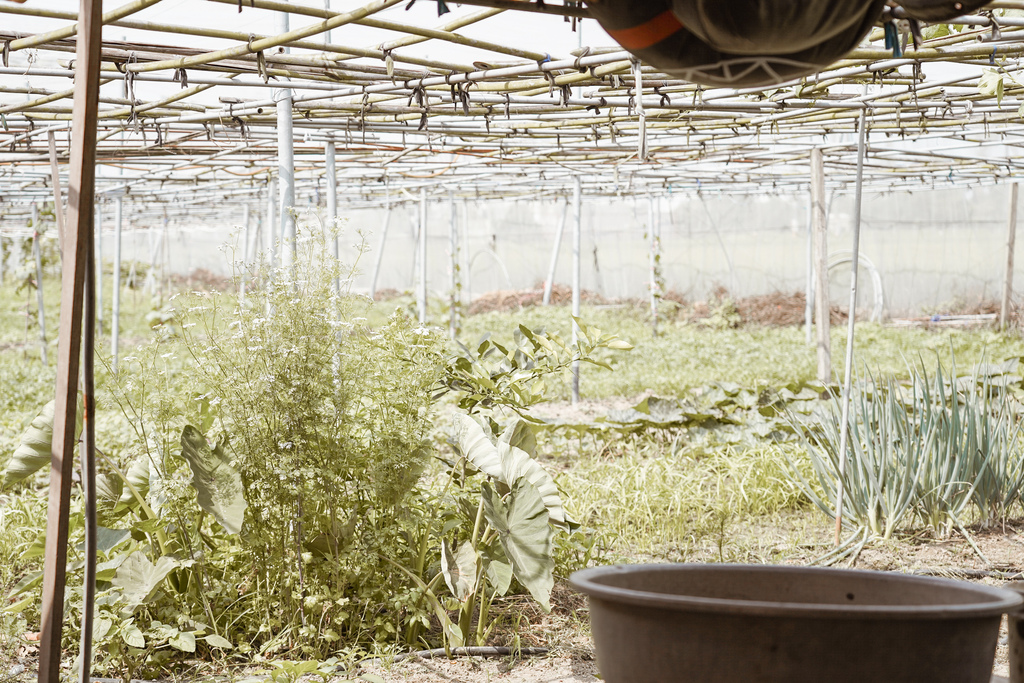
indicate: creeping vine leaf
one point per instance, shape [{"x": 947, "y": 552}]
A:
[
  {"x": 217, "y": 483},
  {"x": 525, "y": 535}
]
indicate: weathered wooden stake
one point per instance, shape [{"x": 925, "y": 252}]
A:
[{"x": 82, "y": 173}]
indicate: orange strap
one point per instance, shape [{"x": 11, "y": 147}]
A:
[{"x": 648, "y": 33}]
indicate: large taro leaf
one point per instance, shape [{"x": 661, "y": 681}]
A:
[
  {"x": 469, "y": 438},
  {"x": 525, "y": 535},
  {"x": 33, "y": 453},
  {"x": 497, "y": 568},
  {"x": 516, "y": 464},
  {"x": 217, "y": 483},
  {"x": 506, "y": 463},
  {"x": 138, "y": 578},
  {"x": 520, "y": 435},
  {"x": 460, "y": 569}
]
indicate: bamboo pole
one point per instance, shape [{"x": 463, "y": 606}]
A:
[
  {"x": 81, "y": 196},
  {"x": 1011, "y": 238},
  {"x": 822, "y": 306},
  {"x": 68, "y": 31}
]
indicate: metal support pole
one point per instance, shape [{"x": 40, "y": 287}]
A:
[
  {"x": 421, "y": 298},
  {"x": 844, "y": 435},
  {"x": 549, "y": 282},
  {"x": 809, "y": 286},
  {"x": 37, "y": 254},
  {"x": 82, "y": 174},
  {"x": 331, "y": 171},
  {"x": 577, "y": 203},
  {"x": 98, "y": 266},
  {"x": 242, "y": 275},
  {"x": 455, "y": 296},
  {"x": 383, "y": 237},
  {"x": 1011, "y": 238},
  {"x": 58, "y": 200},
  {"x": 821, "y": 302},
  {"x": 115, "y": 298},
  {"x": 286, "y": 166},
  {"x": 655, "y": 267},
  {"x": 270, "y": 233}
]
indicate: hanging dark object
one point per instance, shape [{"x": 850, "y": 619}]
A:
[
  {"x": 737, "y": 43},
  {"x": 940, "y": 10}
]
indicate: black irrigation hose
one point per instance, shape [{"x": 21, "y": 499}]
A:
[
  {"x": 459, "y": 652},
  {"x": 473, "y": 652},
  {"x": 1008, "y": 575}
]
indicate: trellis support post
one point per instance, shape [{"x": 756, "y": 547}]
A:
[
  {"x": 421, "y": 290},
  {"x": 549, "y": 282},
  {"x": 82, "y": 174},
  {"x": 1011, "y": 238},
  {"x": 455, "y": 297},
  {"x": 115, "y": 300},
  {"x": 821, "y": 302},
  {"x": 331, "y": 228},
  {"x": 577, "y": 229},
  {"x": 37, "y": 255}
]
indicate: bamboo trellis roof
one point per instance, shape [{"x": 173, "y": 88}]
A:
[{"x": 495, "y": 119}]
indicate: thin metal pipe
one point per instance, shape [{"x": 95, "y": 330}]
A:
[
  {"x": 331, "y": 171},
  {"x": 245, "y": 249},
  {"x": 58, "y": 200},
  {"x": 37, "y": 254},
  {"x": 549, "y": 281},
  {"x": 809, "y": 284},
  {"x": 455, "y": 282},
  {"x": 421, "y": 298},
  {"x": 115, "y": 313},
  {"x": 286, "y": 168},
  {"x": 577, "y": 203},
  {"x": 88, "y": 461},
  {"x": 380, "y": 252},
  {"x": 1011, "y": 238},
  {"x": 844, "y": 435},
  {"x": 98, "y": 266}
]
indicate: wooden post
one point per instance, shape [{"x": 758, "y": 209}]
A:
[
  {"x": 1011, "y": 238},
  {"x": 821, "y": 302},
  {"x": 82, "y": 172}
]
